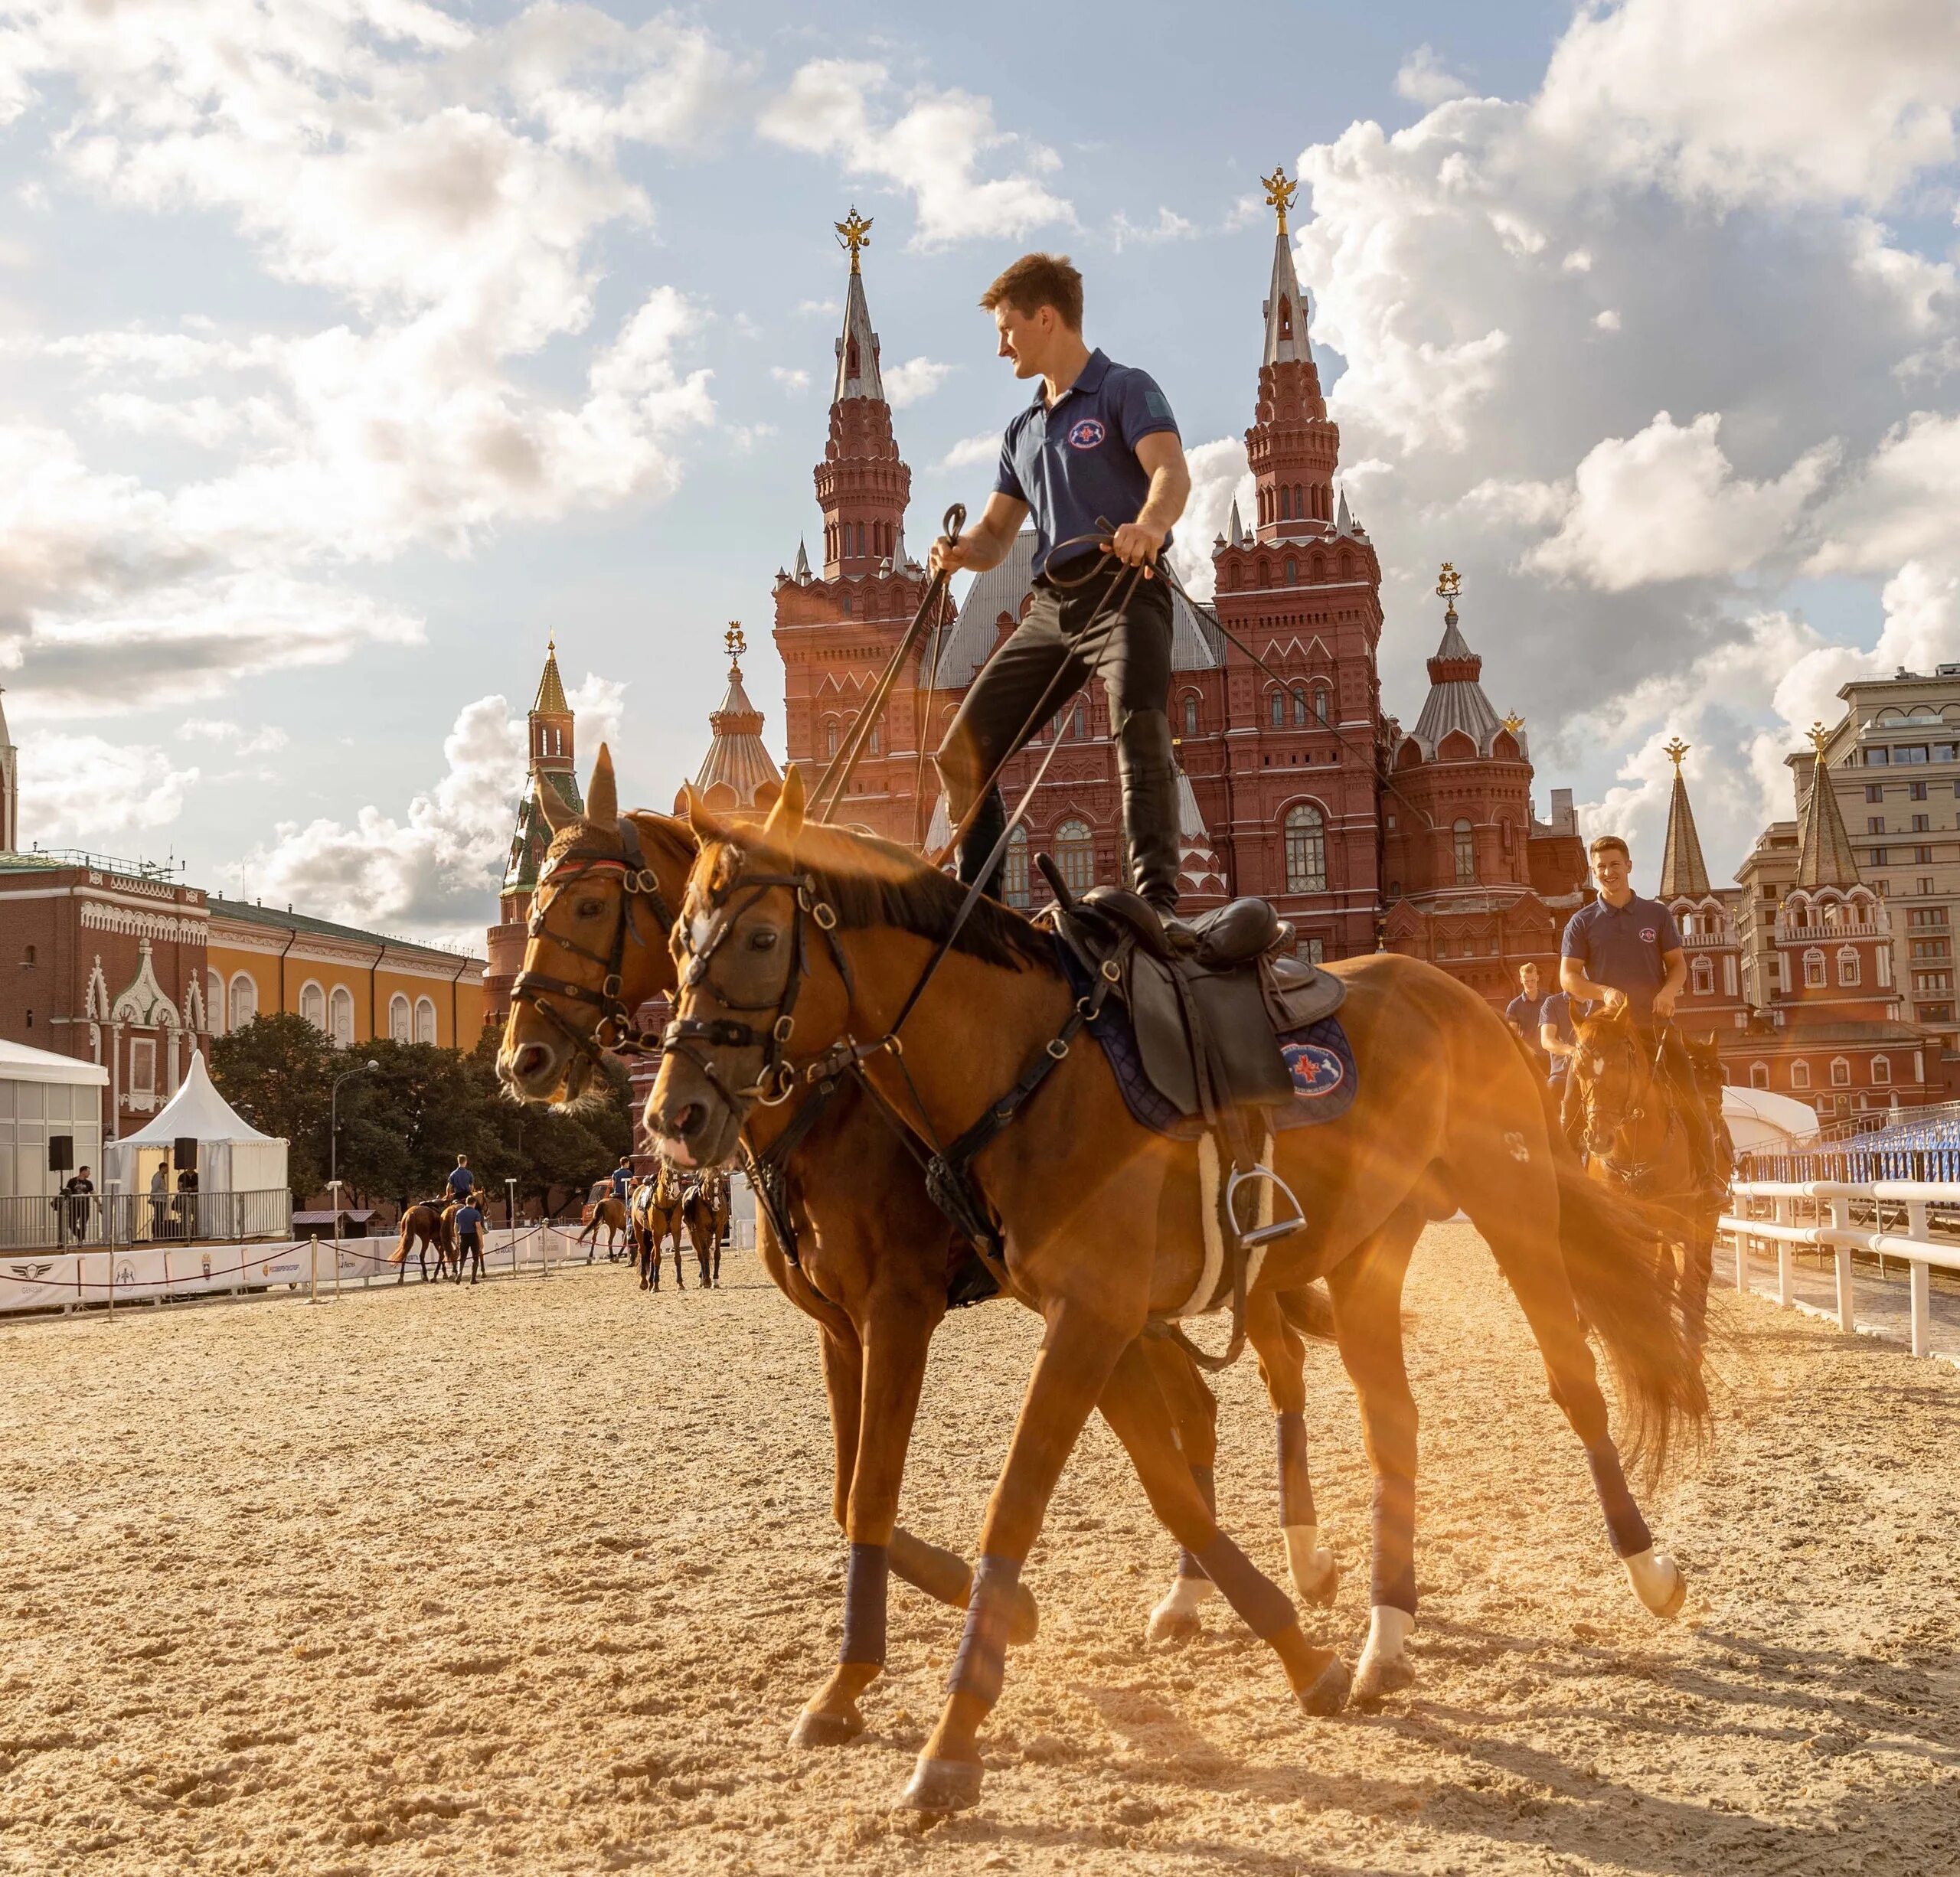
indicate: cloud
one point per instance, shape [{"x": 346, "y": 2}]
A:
[
  {"x": 1422, "y": 79},
  {"x": 1666, "y": 504},
  {"x": 971, "y": 451},
  {"x": 80, "y": 790},
  {"x": 792, "y": 378},
  {"x": 430, "y": 869},
  {"x": 934, "y": 149},
  {"x": 221, "y": 732},
  {"x": 1219, "y": 477},
  {"x": 916, "y": 379},
  {"x": 1168, "y": 226}
]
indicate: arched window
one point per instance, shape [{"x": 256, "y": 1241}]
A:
[
  {"x": 1081, "y": 727},
  {"x": 1278, "y": 707},
  {"x": 340, "y": 1017},
  {"x": 1075, "y": 854},
  {"x": 1759, "y": 1075},
  {"x": 1015, "y": 885},
  {"x": 1306, "y": 849},
  {"x": 874, "y": 745},
  {"x": 1322, "y": 694},
  {"x": 1463, "y": 845},
  {"x": 313, "y": 1004},
  {"x": 398, "y": 1018},
  {"x": 1292, "y": 570},
  {"x": 425, "y": 1020},
  {"x": 1800, "y": 1074},
  {"x": 1814, "y": 969},
  {"x": 1841, "y": 1073},
  {"x": 830, "y": 737},
  {"x": 244, "y": 999},
  {"x": 1285, "y": 503},
  {"x": 1299, "y": 706},
  {"x": 214, "y": 1002},
  {"x": 1190, "y": 713},
  {"x": 1881, "y": 1070},
  {"x": 1702, "y": 973},
  {"x": 1848, "y": 964}
]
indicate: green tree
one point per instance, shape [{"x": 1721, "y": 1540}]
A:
[
  {"x": 554, "y": 1154},
  {"x": 277, "y": 1071}
]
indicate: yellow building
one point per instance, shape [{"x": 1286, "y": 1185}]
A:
[{"x": 352, "y": 984}]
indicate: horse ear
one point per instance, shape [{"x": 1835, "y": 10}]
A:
[
  {"x": 785, "y": 817},
  {"x": 702, "y": 820},
  {"x": 602, "y": 798},
  {"x": 557, "y": 813}
]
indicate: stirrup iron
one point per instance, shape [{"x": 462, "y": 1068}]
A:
[{"x": 1253, "y": 1236}]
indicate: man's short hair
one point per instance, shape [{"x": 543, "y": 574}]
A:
[
  {"x": 462, "y": 1160},
  {"x": 1530, "y": 965},
  {"x": 1039, "y": 280},
  {"x": 1610, "y": 840}
]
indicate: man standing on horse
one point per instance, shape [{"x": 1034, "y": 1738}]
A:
[
  {"x": 1623, "y": 952},
  {"x": 1097, "y": 461}
]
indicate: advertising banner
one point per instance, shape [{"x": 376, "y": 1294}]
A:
[{"x": 36, "y": 1280}]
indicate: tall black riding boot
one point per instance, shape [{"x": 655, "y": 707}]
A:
[
  {"x": 1149, "y": 776},
  {"x": 989, "y": 826}
]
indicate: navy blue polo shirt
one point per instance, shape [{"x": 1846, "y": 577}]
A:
[
  {"x": 1077, "y": 460},
  {"x": 1556, "y": 1010},
  {"x": 469, "y": 1219},
  {"x": 462, "y": 1182},
  {"x": 1622, "y": 948},
  {"x": 1521, "y": 1013}
]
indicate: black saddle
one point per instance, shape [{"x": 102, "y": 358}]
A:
[{"x": 1206, "y": 1002}]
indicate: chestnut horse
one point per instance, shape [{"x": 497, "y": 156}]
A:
[
  {"x": 851, "y": 931},
  {"x": 427, "y": 1227},
  {"x": 656, "y": 1218},
  {"x": 706, "y": 1210}
]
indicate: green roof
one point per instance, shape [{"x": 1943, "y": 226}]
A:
[{"x": 254, "y": 915}]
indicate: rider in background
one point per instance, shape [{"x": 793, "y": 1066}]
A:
[
  {"x": 1098, "y": 444},
  {"x": 1625, "y": 952},
  {"x": 1560, "y": 1041},
  {"x": 622, "y": 1177},
  {"x": 1523, "y": 1012},
  {"x": 462, "y": 1182}
]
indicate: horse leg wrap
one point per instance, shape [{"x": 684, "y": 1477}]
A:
[
  {"x": 864, "y": 1583},
  {"x": 977, "y": 1670},
  {"x": 1296, "y": 1486},
  {"x": 1207, "y": 1484},
  {"x": 1624, "y": 1526},
  {"x": 1393, "y": 1576},
  {"x": 1266, "y": 1609}
]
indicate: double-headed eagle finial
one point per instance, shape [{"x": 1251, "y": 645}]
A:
[
  {"x": 854, "y": 232},
  {"x": 734, "y": 641},
  {"x": 1279, "y": 193},
  {"x": 1819, "y": 736},
  {"x": 1674, "y": 751},
  {"x": 1514, "y": 722}
]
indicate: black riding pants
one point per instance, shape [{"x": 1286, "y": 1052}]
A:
[{"x": 1060, "y": 643}]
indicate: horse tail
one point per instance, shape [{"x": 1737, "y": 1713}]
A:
[
  {"x": 1616, "y": 1261},
  {"x": 1309, "y": 1311},
  {"x": 400, "y": 1255}
]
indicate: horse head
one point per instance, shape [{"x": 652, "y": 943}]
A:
[
  {"x": 597, "y": 943},
  {"x": 1612, "y": 1075}
]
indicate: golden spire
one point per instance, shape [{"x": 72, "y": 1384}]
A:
[
  {"x": 736, "y": 643},
  {"x": 1279, "y": 193},
  {"x": 854, "y": 232},
  {"x": 1674, "y": 751}
]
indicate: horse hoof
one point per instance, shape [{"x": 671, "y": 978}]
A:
[
  {"x": 944, "y": 1785},
  {"x": 1324, "y": 1589},
  {"x": 1327, "y": 1693},
  {"x": 1380, "y": 1676},
  {"x": 814, "y": 1729},
  {"x": 1023, "y": 1616},
  {"x": 1172, "y": 1626},
  {"x": 1658, "y": 1582}
]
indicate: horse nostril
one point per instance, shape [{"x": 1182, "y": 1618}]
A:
[
  {"x": 690, "y": 1121},
  {"x": 532, "y": 1059}
]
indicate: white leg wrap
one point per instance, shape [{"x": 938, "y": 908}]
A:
[
  {"x": 1657, "y": 1580},
  {"x": 1307, "y": 1560},
  {"x": 1176, "y": 1615},
  {"x": 1384, "y": 1667}
]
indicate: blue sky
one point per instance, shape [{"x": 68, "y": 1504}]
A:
[{"x": 350, "y": 349}]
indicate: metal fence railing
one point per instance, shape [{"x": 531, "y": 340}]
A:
[{"x": 45, "y": 1222}]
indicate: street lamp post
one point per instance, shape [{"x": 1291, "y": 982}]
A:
[{"x": 333, "y": 1149}]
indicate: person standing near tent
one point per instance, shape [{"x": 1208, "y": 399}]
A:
[
  {"x": 76, "y": 1191},
  {"x": 159, "y": 1201}
]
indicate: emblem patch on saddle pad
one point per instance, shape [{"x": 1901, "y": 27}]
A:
[{"x": 1316, "y": 1071}]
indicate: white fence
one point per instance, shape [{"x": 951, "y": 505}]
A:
[{"x": 1897, "y": 1223}]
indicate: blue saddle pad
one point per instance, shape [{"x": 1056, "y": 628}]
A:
[{"x": 1325, "y": 1080}]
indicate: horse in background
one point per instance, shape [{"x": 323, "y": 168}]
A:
[
  {"x": 706, "y": 1210},
  {"x": 611, "y": 1213},
  {"x": 428, "y": 1226},
  {"x": 656, "y": 1218}
]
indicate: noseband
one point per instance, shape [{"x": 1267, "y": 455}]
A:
[
  {"x": 614, "y": 1030},
  {"x": 694, "y": 1036}
]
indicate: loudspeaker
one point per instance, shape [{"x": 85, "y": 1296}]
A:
[
  {"x": 60, "y": 1153},
  {"x": 184, "y": 1153}
]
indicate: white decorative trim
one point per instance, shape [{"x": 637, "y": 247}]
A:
[
  {"x": 145, "y": 1003},
  {"x": 94, "y": 1006},
  {"x": 102, "y": 915}
]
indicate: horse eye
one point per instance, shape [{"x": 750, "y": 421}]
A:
[
  {"x": 591, "y": 908},
  {"x": 761, "y": 941}
]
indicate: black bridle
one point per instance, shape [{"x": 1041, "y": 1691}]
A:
[
  {"x": 1630, "y": 1172},
  {"x": 614, "y": 1030}
]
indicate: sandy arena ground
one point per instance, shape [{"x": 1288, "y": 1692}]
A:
[{"x": 534, "y": 1578}]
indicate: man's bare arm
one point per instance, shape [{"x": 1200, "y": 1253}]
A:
[
  {"x": 986, "y": 542},
  {"x": 1551, "y": 1042},
  {"x": 1574, "y": 983},
  {"x": 1676, "y": 961},
  {"x": 1138, "y": 542}
]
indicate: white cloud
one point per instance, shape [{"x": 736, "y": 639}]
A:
[
  {"x": 792, "y": 378},
  {"x": 221, "y": 732},
  {"x": 1169, "y": 226},
  {"x": 1423, "y": 79},
  {"x": 916, "y": 379},
  {"x": 934, "y": 149},
  {"x": 1219, "y": 477},
  {"x": 970, "y": 451},
  {"x": 80, "y": 790},
  {"x": 829, "y": 309},
  {"x": 1782, "y": 100},
  {"x": 1666, "y": 504}
]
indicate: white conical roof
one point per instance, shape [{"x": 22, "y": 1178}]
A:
[
  {"x": 1285, "y": 311},
  {"x": 196, "y": 1111}
]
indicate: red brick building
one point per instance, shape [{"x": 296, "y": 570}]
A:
[{"x": 1295, "y": 784}]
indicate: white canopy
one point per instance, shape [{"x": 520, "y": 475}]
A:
[
  {"x": 18, "y": 1062},
  {"x": 233, "y": 1156},
  {"x": 1761, "y": 1121}
]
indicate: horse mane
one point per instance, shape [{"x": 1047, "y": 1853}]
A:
[{"x": 868, "y": 881}]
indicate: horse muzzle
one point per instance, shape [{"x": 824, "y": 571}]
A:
[{"x": 688, "y": 1119}]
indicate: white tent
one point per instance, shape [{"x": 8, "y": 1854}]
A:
[
  {"x": 233, "y": 1156},
  {"x": 44, "y": 1096},
  {"x": 1762, "y": 1121}
]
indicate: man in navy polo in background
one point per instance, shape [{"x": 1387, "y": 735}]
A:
[
  {"x": 1522, "y": 1012},
  {"x": 462, "y": 1182},
  {"x": 1096, "y": 455},
  {"x": 1623, "y": 952}
]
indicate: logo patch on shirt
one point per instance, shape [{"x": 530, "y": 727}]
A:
[
  {"x": 1648, "y": 934},
  {"x": 1087, "y": 434},
  {"x": 1315, "y": 1071}
]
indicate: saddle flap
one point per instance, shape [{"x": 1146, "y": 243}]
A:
[
  {"x": 1298, "y": 994},
  {"x": 1236, "y": 1032}
]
